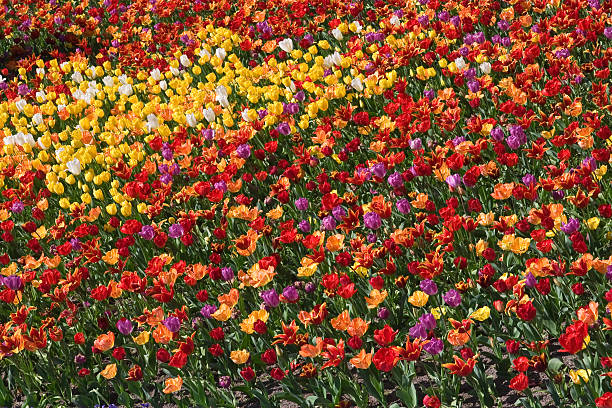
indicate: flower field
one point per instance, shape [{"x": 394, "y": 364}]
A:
[{"x": 284, "y": 203}]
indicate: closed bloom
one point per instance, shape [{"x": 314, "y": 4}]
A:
[
  {"x": 395, "y": 180},
  {"x": 372, "y": 220},
  {"x": 571, "y": 226},
  {"x": 172, "y": 323},
  {"x": 301, "y": 204},
  {"x": 428, "y": 321},
  {"x": 497, "y": 133},
  {"x": 13, "y": 282},
  {"x": 176, "y": 231},
  {"x": 147, "y": 232},
  {"x": 434, "y": 346},
  {"x": 124, "y": 326},
  {"x": 328, "y": 223},
  {"x": 403, "y": 206},
  {"x": 290, "y": 293},
  {"x": 453, "y": 181},
  {"x": 270, "y": 297},
  {"x": 428, "y": 286},
  {"x": 243, "y": 151},
  {"x": 452, "y": 298}
]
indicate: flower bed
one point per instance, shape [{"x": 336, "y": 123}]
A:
[{"x": 344, "y": 204}]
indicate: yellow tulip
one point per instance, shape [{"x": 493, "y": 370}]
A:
[
  {"x": 418, "y": 298},
  {"x": 481, "y": 314}
]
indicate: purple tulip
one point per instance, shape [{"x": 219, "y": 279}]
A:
[
  {"x": 428, "y": 321},
  {"x": 529, "y": 179},
  {"x": 147, "y": 232},
  {"x": 429, "y": 287},
  {"x": 417, "y": 331},
  {"x": 396, "y": 180},
  {"x": 328, "y": 223},
  {"x": 383, "y": 313},
  {"x": 172, "y": 323},
  {"x": 270, "y": 298},
  {"x": 284, "y": 128},
  {"x": 571, "y": 226},
  {"x": 379, "y": 170},
  {"x": 372, "y": 220},
  {"x": 208, "y": 310},
  {"x": 301, "y": 204},
  {"x": 176, "y": 231},
  {"x": 227, "y": 274},
  {"x": 452, "y": 298},
  {"x": 225, "y": 381},
  {"x": 403, "y": 206},
  {"x": 13, "y": 282},
  {"x": 434, "y": 346},
  {"x": 291, "y": 294},
  {"x": 17, "y": 207},
  {"x": 124, "y": 326},
  {"x": 453, "y": 181},
  {"x": 339, "y": 213},
  {"x": 243, "y": 151},
  {"x": 530, "y": 280},
  {"x": 304, "y": 226}
]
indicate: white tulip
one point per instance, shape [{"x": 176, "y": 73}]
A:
[
  {"x": 156, "y": 74},
  {"x": 245, "y": 115},
  {"x": 337, "y": 34},
  {"x": 108, "y": 81},
  {"x": 185, "y": 61},
  {"x": 77, "y": 77},
  {"x": 152, "y": 122},
  {"x": 220, "y": 53},
  {"x": 37, "y": 119},
  {"x": 209, "y": 115},
  {"x": 357, "y": 85},
  {"x": 204, "y": 52},
  {"x": 74, "y": 166},
  {"x": 163, "y": 85},
  {"x": 460, "y": 63},
  {"x": 485, "y": 67},
  {"x": 21, "y": 104},
  {"x": 394, "y": 20},
  {"x": 221, "y": 96},
  {"x": 286, "y": 45},
  {"x": 126, "y": 90},
  {"x": 41, "y": 144},
  {"x": 191, "y": 120}
]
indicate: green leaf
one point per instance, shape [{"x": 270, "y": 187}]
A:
[
  {"x": 553, "y": 394},
  {"x": 554, "y": 364},
  {"x": 408, "y": 396},
  {"x": 288, "y": 396}
]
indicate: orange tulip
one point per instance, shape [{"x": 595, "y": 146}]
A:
[
  {"x": 342, "y": 321},
  {"x": 105, "y": 342},
  {"x": 358, "y": 327},
  {"x": 376, "y": 297},
  {"x": 588, "y": 314},
  {"x": 162, "y": 335},
  {"x": 110, "y": 371},
  {"x": 362, "y": 360},
  {"x": 173, "y": 385},
  {"x": 460, "y": 367},
  {"x": 502, "y": 191}
]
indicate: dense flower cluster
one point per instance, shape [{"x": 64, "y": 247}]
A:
[{"x": 207, "y": 200}]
